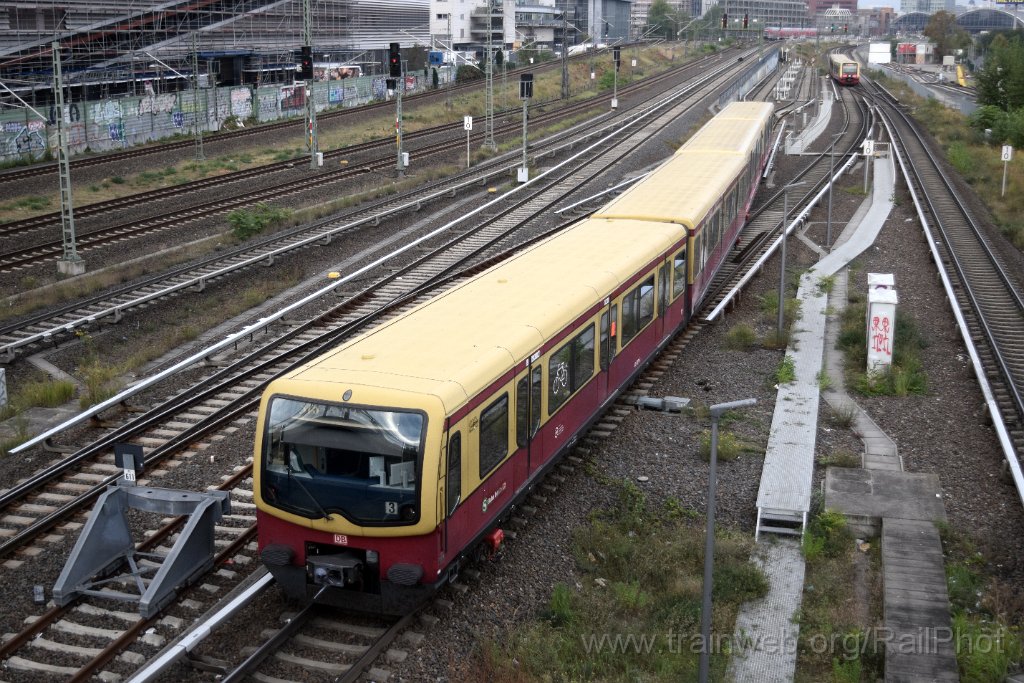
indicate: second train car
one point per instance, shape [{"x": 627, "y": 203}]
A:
[{"x": 381, "y": 466}]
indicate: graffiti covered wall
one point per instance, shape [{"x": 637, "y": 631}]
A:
[{"x": 123, "y": 122}]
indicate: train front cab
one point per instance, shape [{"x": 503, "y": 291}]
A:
[{"x": 346, "y": 497}]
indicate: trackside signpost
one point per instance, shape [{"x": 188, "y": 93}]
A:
[
  {"x": 1006, "y": 156},
  {"x": 467, "y": 123}
]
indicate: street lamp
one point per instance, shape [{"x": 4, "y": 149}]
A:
[
  {"x": 782, "y": 265},
  {"x": 831, "y": 180},
  {"x": 709, "y": 541}
]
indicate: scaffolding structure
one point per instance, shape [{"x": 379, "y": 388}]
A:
[{"x": 119, "y": 47}]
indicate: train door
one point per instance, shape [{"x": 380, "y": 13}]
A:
[
  {"x": 528, "y": 408},
  {"x": 661, "y": 322},
  {"x": 456, "y": 528},
  {"x": 609, "y": 324}
]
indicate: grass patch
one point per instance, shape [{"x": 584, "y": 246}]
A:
[
  {"x": 741, "y": 337},
  {"x": 836, "y": 642},
  {"x": 37, "y": 393},
  {"x": 905, "y": 376},
  {"x": 730, "y": 446},
  {"x": 844, "y": 415},
  {"x": 988, "y": 643},
  {"x": 824, "y": 380},
  {"x": 634, "y": 612},
  {"x": 100, "y": 381},
  {"x": 19, "y": 437},
  {"x": 840, "y": 459},
  {"x": 246, "y": 223},
  {"x": 786, "y": 372}
]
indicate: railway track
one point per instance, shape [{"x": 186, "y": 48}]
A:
[
  {"x": 33, "y": 332},
  {"x": 988, "y": 297},
  {"x": 338, "y": 115},
  {"x": 381, "y": 148},
  {"x": 225, "y": 399}
]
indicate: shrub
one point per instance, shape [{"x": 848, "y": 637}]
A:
[
  {"x": 786, "y": 372},
  {"x": 729, "y": 447},
  {"x": 246, "y": 223},
  {"x": 827, "y": 536},
  {"x": 740, "y": 337}
]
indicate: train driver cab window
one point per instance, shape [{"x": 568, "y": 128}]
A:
[
  {"x": 637, "y": 309},
  {"x": 678, "y": 273},
  {"x": 321, "y": 460},
  {"x": 493, "y": 435},
  {"x": 454, "y": 478},
  {"x": 528, "y": 405},
  {"x": 569, "y": 368}
]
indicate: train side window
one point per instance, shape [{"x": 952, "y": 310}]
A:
[
  {"x": 493, "y": 434},
  {"x": 454, "y": 477},
  {"x": 637, "y": 309},
  {"x": 570, "y": 367},
  {"x": 678, "y": 273},
  {"x": 527, "y": 405}
]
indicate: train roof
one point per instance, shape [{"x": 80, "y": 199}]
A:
[
  {"x": 841, "y": 58},
  {"x": 452, "y": 346},
  {"x": 441, "y": 348},
  {"x": 710, "y": 160}
]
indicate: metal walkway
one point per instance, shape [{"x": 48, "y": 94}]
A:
[{"x": 784, "y": 496}]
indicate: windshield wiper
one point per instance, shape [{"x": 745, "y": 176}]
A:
[{"x": 323, "y": 513}]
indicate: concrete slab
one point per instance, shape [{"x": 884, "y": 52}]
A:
[{"x": 882, "y": 493}]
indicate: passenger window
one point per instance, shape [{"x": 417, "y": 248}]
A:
[
  {"x": 527, "y": 405},
  {"x": 569, "y": 368},
  {"x": 678, "y": 273},
  {"x": 454, "y": 485},
  {"x": 493, "y": 434},
  {"x": 637, "y": 309}
]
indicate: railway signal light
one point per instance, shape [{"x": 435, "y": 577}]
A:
[
  {"x": 846, "y": 28},
  {"x": 306, "y": 63},
  {"x": 725, "y": 20},
  {"x": 616, "y": 56},
  {"x": 746, "y": 18},
  {"x": 394, "y": 61}
]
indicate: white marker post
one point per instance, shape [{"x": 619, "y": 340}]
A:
[
  {"x": 467, "y": 123},
  {"x": 1007, "y": 156}
]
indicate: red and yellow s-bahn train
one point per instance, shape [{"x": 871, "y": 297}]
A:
[
  {"x": 844, "y": 70},
  {"x": 383, "y": 465}
]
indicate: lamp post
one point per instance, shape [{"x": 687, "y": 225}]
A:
[
  {"x": 782, "y": 265},
  {"x": 831, "y": 181},
  {"x": 709, "y": 541}
]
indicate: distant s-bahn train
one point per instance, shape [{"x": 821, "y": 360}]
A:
[
  {"x": 381, "y": 466},
  {"x": 844, "y": 70}
]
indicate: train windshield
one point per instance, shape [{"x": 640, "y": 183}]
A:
[
  {"x": 850, "y": 69},
  {"x": 321, "y": 460}
]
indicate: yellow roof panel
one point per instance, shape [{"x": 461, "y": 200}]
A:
[
  {"x": 443, "y": 348},
  {"x": 710, "y": 160}
]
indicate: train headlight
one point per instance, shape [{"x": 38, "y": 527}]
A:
[{"x": 372, "y": 557}]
